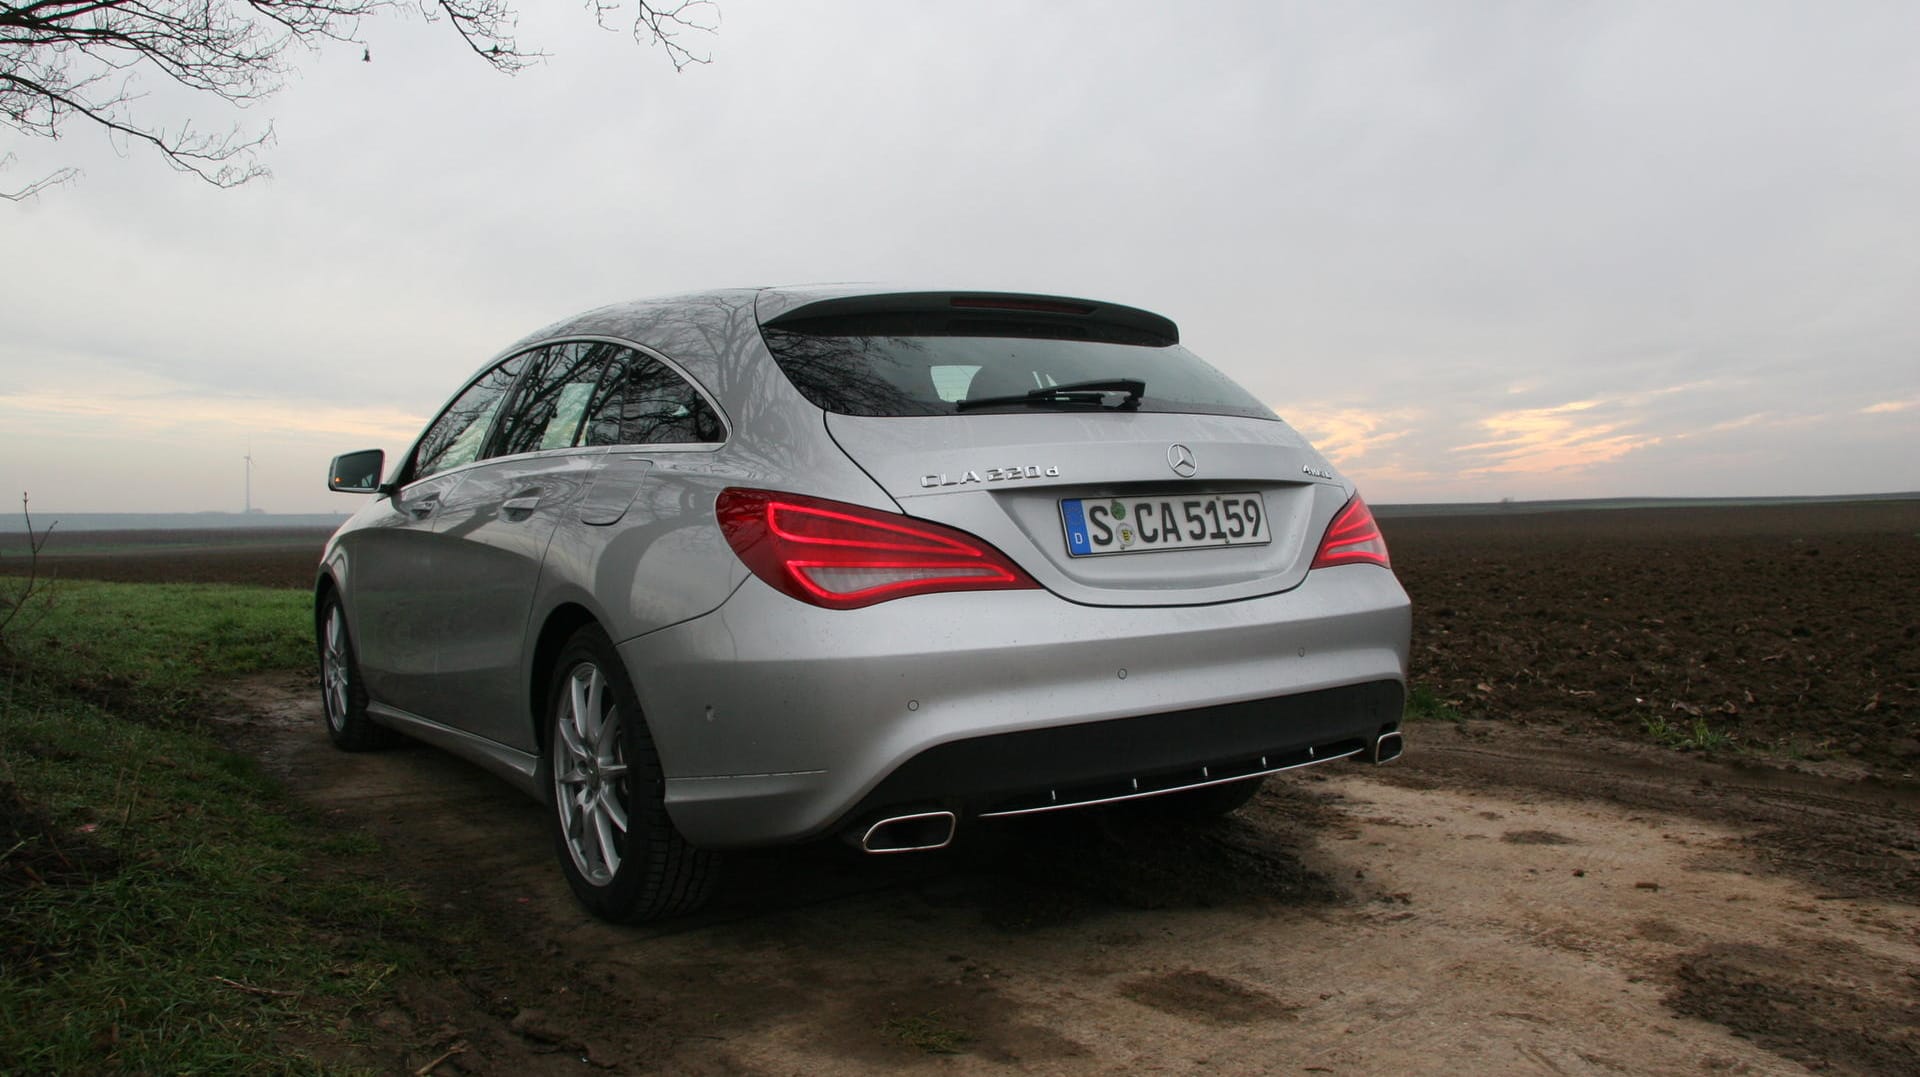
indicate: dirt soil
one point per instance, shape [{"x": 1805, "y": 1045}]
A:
[{"x": 1793, "y": 629}]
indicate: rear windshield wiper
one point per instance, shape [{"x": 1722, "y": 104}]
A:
[{"x": 1099, "y": 393}]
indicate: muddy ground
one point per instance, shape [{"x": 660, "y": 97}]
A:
[{"x": 1547, "y": 884}]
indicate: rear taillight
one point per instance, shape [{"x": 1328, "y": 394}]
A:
[
  {"x": 842, "y": 556},
  {"x": 1352, "y": 539}
]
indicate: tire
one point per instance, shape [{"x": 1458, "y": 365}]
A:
[
  {"x": 620, "y": 852},
  {"x": 1207, "y": 802},
  {"x": 343, "y": 696}
]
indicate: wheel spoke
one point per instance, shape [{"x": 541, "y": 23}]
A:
[
  {"x": 587, "y": 839},
  {"x": 586, "y": 691},
  {"x": 606, "y": 747},
  {"x": 570, "y": 741},
  {"x": 610, "y": 803},
  {"x": 603, "y": 832}
]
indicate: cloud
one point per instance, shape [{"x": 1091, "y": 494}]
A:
[
  {"x": 1889, "y": 406},
  {"x": 1535, "y": 441},
  {"x": 1349, "y": 435}
]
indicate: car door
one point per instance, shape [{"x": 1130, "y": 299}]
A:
[
  {"x": 491, "y": 532},
  {"x": 398, "y": 585}
]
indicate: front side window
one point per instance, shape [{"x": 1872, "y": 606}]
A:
[
  {"x": 458, "y": 435},
  {"x": 644, "y": 402}
]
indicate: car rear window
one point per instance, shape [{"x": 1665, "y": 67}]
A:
[{"x": 897, "y": 366}]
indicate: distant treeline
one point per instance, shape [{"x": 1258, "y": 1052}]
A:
[{"x": 168, "y": 521}]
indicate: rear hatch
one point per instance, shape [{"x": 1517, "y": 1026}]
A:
[{"x": 1159, "y": 483}]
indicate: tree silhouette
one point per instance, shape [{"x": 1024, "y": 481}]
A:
[{"x": 66, "y": 60}]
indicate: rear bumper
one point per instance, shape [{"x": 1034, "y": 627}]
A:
[
  {"x": 1039, "y": 770},
  {"x": 777, "y": 721}
]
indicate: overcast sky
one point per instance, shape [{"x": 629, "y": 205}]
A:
[{"x": 1474, "y": 250}]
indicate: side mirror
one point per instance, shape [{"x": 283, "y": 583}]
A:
[{"x": 357, "y": 472}]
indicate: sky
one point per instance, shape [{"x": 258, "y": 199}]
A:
[{"x": 1473, "y": 250}]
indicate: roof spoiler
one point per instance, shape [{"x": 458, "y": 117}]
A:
[{"x": 976, "y": 314}]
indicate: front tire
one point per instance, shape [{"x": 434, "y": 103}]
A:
[
  {"x": 342, "y": 694},
  {"x": 620, "y": 852}
]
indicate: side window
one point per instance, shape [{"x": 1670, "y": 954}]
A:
[
  {"x": 643, "y": 402},
  {"x": 553, "y": 398},
  {"x": 457, "y": 436}
]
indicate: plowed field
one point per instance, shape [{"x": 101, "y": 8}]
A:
[{"x": 1793, "y": 630}]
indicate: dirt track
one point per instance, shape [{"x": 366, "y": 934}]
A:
[{"x": 1502, "y": 901}]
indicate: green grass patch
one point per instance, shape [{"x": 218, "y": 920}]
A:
[
  {"x": 929, "y": 1032},
  {"x": 163, "y": 907},
  {"x": 1423, "y": 704},
  {"x": 153, "y": 645},
  {"x": 1695, "y": 736}
]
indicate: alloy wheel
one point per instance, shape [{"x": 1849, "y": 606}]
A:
[
  {"x": 590, "y": 774},
  {"x": 335, "y": 668}
]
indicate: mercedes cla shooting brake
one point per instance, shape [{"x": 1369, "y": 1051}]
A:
[{"x": 749, "y": 567}]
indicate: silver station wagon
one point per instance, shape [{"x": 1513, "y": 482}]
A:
[{"x": 758, "y": 566}]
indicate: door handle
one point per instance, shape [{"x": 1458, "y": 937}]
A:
[
  {"x": 520, "y": 506},
  {"x": 423, "y": 508}
]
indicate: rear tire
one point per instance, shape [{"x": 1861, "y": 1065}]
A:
[
  {"x": 343, "y": 696},
  {"x": 619, "y": 850}
]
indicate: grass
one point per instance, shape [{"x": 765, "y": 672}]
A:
[
  {"x": 1422, "y": 703},
  {"x": 163, "y": 906},
  {"x": 165, "y": 642},
  {"x": 927, "y": 1032},
  {"x": 1696, "y": 736}
]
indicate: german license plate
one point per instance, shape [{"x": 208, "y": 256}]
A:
[{"x": 1104, "y": 525}]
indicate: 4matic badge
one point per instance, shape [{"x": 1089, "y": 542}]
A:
[{"x": 992, "y": 474}]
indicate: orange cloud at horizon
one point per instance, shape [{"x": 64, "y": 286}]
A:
[{"x": 1548, "y": 440}]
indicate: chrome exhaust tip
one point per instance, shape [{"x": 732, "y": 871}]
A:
[
  {"x": 1385, "y": 748},
  {"x": 910, "y": 833}
]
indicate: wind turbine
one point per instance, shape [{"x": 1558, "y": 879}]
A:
[{"x": 249, "y": 459}]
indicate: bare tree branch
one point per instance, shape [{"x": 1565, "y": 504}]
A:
[
  {"x": 62, "y": 60},
  {"x": 33, "y": 588},
  {"x": 53, "y": 179}
]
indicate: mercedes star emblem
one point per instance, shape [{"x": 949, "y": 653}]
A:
[{"x": 1180, "y": 459}]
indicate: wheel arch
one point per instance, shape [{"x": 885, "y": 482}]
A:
[{"x": 324, "y": 587}]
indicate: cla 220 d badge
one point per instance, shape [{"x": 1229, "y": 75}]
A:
[{"x": 992, "y": 474}]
